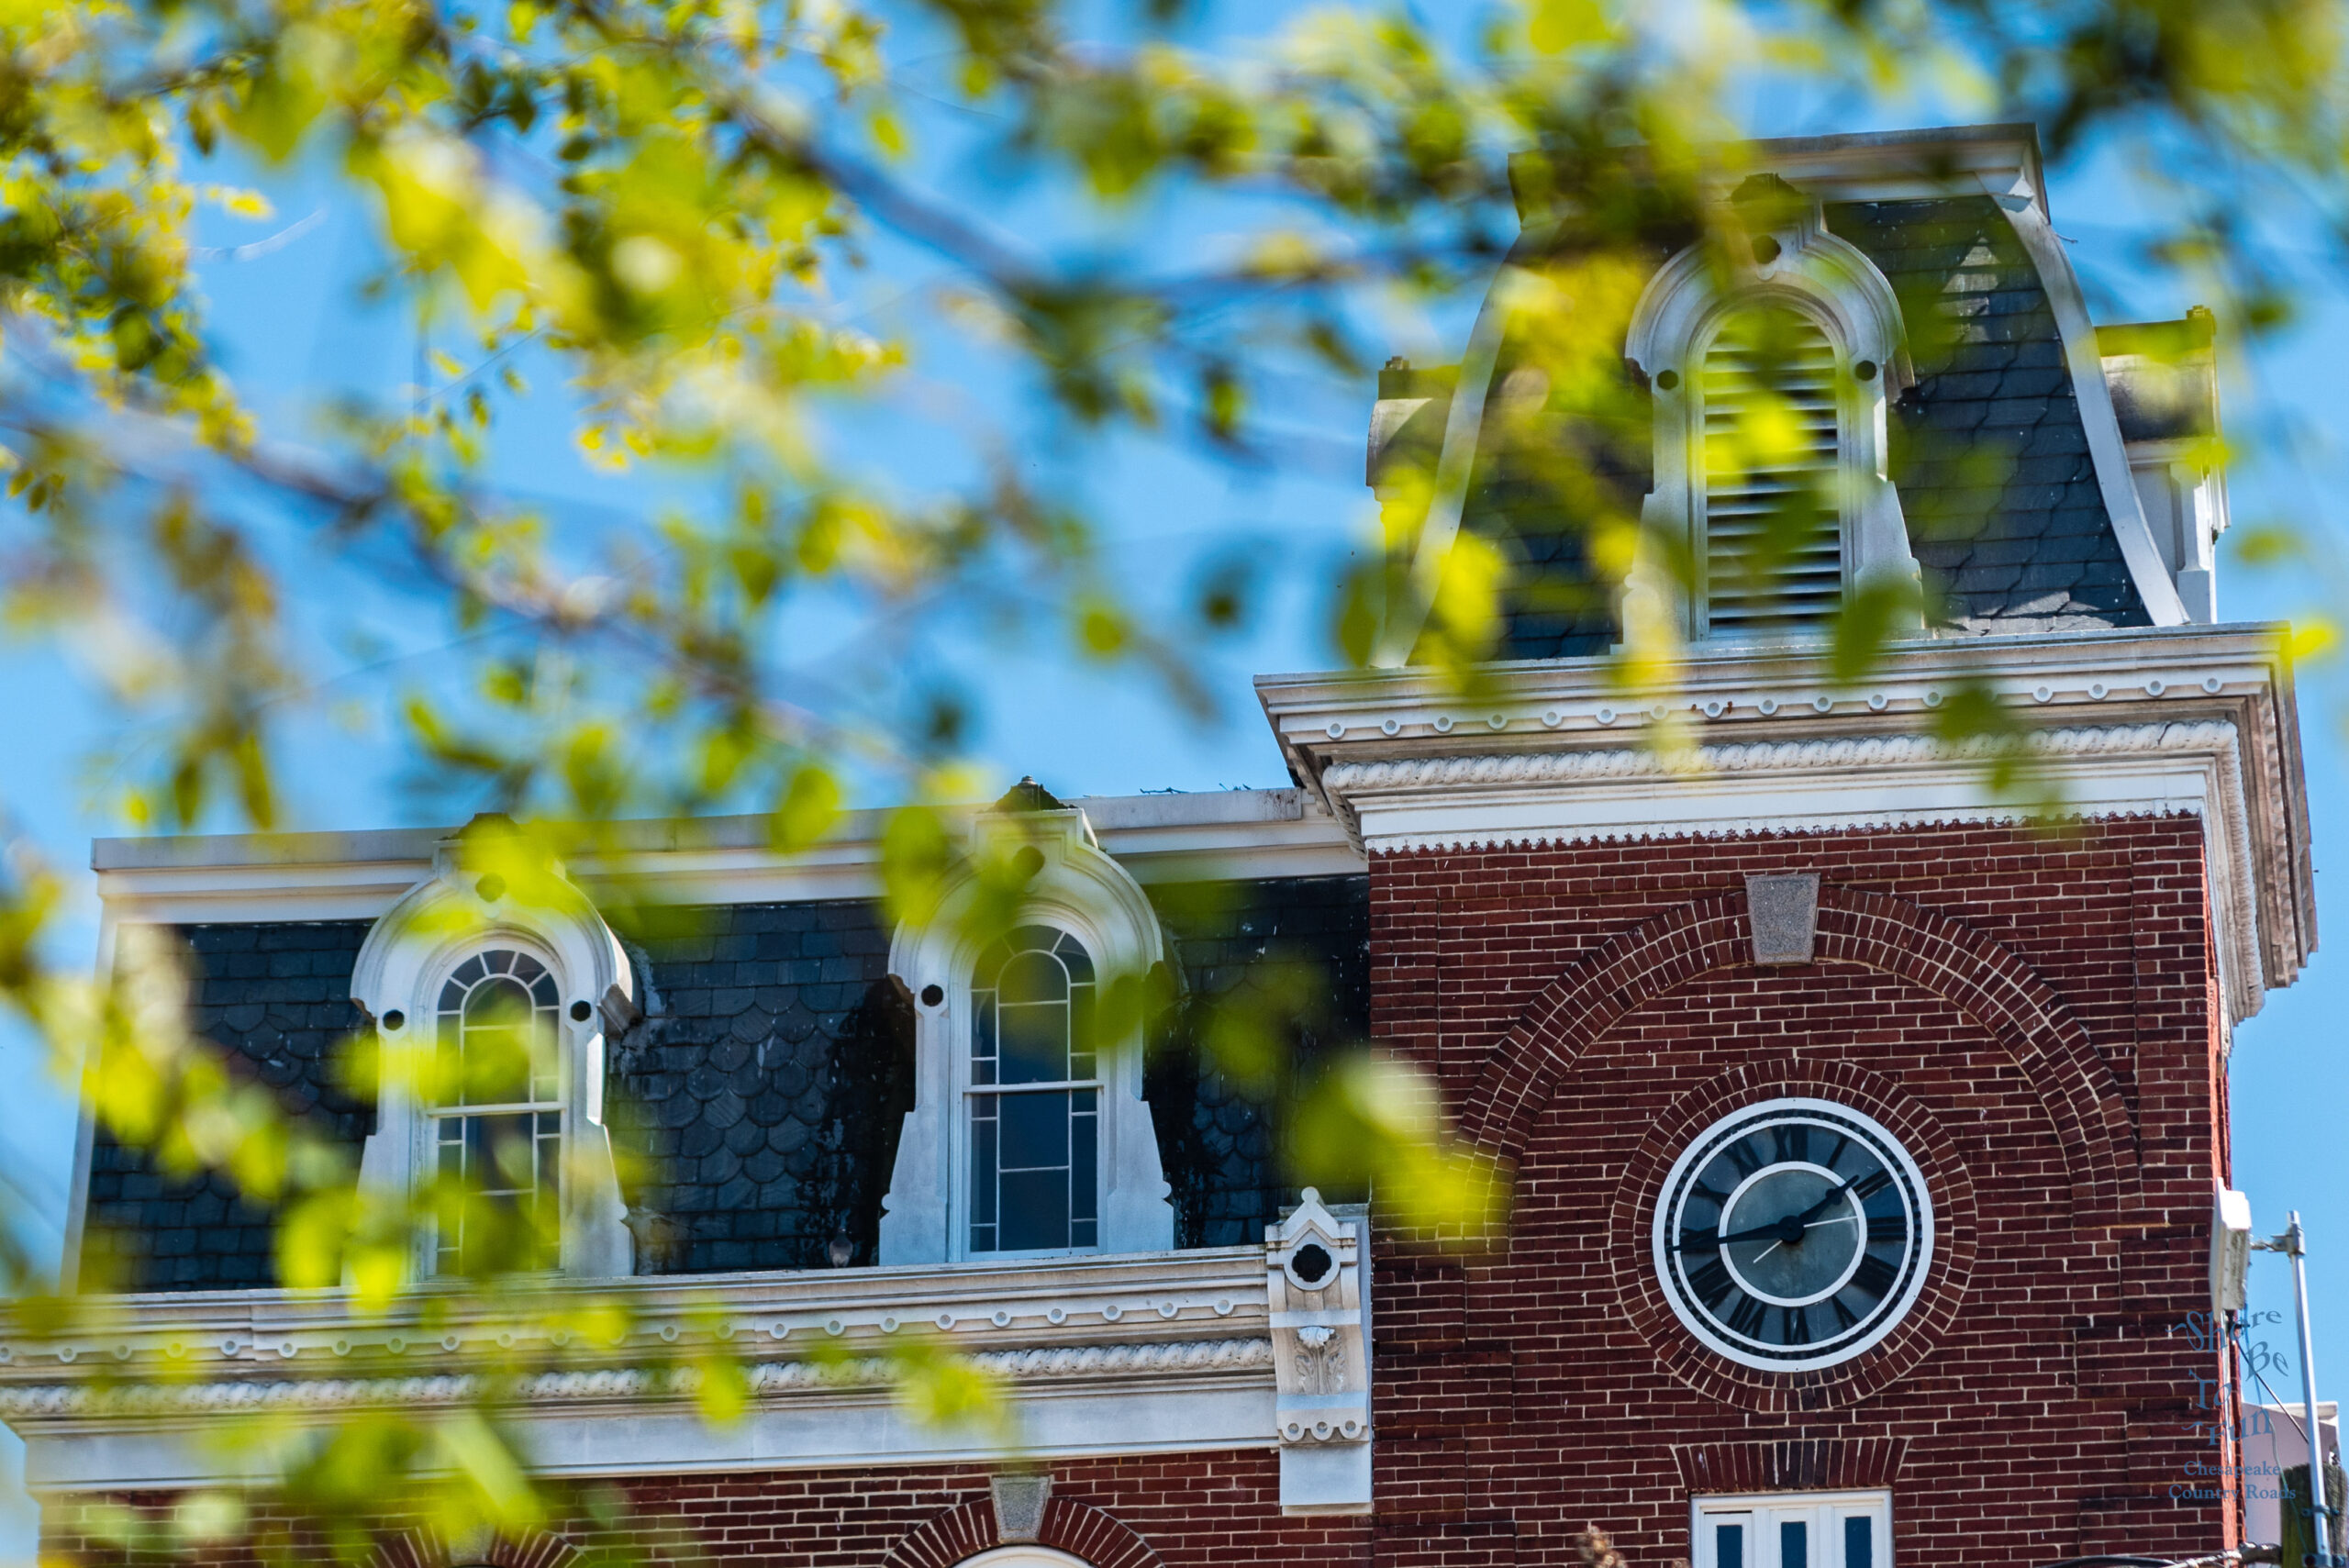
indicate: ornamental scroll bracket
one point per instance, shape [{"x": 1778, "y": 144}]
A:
[{"x": 1321, "y": 1322}]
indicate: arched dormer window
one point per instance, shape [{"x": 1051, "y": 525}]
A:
[
  {"x": 1029, "y": 1133},
  {"x": 1772, "y": 372},
  {"x": 491, "y": 991}
]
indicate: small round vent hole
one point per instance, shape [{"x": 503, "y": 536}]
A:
[
  {"x": 492, "y": 888},
  {"x": 1312, "y": 1262},
  {"x": 932, "y": 994},
  {"x": 392, "y": 1021},
  {"x": 579, "y": 1011},
  {"x": 1667, "y": 380},
  {"x": 1864, "y": 370}
]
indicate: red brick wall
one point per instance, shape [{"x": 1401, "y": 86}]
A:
[
  {"x": 1209, "y": 1511},
  {"x": 2033, "y": 1013}
]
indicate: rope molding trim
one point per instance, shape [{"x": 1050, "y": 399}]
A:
[
  {"x": 54, "y": 1401},
  {"x": 2198, "y": 736}
]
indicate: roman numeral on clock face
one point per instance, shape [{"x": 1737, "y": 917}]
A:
[
  {"x": 1874, "y": 1276},
  {"x": 1891, "y": 1228},
  {"x": 1746, "y": 1316},
  {"x": 1794, "y": 1142},
  {"x": 1711, "y": 1282},
  {"x": 1874, "y": 1182},
  {"x": 1741, "y": 1155},
  {"x": 1796, "y": 1325}
]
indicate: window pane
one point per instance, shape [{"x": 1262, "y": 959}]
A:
[
  {"x": 983, "y": 1164},
  {"x": 1034, "y": 1041},
  {"x": 1729, "y": 1546},
  {"x": 1033, "y": 977},
  {"x": 1073, "y": 953},
  {"x": 1794, "y": 1544},
  {"x": 1084, "y": 1167},
  {"x": 1035, "y": 1209},
  {"x": 1035, "y": 1131},
  {"x": 983, "y": 1055},
  {"x": 1859, "y": 1543},
  {"x": 1080, "y": 1027}
]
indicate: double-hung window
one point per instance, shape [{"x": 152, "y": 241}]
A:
[
  {"x": 1034, "y": 1096},
  {"x": 495, "y": 1116},
  {"x": 1793, "y": 1529}
]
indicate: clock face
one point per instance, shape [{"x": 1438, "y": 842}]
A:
[{"x": 1793, "y": 1234}]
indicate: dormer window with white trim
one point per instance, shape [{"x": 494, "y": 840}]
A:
[
  {"x": 492, "y": 1002},
  {"x": 1029, "y": 1134},
  {"x": 1772, "y": 371}
]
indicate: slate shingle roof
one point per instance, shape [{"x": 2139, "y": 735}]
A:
[
  {"x": 1989, "y": 452},
  {"x": 761, "y": 1097},
  {"x": 277, "y": 999}
]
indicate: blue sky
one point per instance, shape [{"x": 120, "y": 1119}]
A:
[{"x": 292, "y": 327}]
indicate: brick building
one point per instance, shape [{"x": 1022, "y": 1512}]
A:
[{"x": 1863, "y": 1127}]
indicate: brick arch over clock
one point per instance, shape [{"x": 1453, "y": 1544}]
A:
[{"x": 1994, "y": 987}]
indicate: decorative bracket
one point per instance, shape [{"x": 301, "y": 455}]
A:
[{"x": 1322, "y": 1358}]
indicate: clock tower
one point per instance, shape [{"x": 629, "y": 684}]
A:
[{"x": 1860, "y": 1075}]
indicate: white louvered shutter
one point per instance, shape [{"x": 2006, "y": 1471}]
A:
[{"x": 1773, "y": 547}]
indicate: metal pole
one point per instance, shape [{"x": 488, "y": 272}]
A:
[{"x": 2295, "y": 1242}]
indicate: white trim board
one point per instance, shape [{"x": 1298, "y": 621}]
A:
[
  {"x": 1225, "y": 836},
  {"x": 847, "y": 1429}
]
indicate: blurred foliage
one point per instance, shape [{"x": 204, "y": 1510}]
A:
[{"x": 667, "y": 202}]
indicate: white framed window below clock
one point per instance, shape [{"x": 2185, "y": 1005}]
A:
[{"x": 1792, "y": 1530}]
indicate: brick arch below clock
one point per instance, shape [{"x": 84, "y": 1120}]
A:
[{"x": 1991, "y": 984}]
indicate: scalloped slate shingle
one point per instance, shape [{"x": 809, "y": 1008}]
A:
[
  {"x": 762, "y": 1093},
  {"x": 277, "y": 999}
]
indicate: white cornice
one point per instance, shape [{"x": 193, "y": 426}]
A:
[
  {"x": 2190, "y": 719},
  {"x": 1227, "y": 834},
  {"x": 36, "y": 1403},
  {"x": 1135, "y": 1354}
]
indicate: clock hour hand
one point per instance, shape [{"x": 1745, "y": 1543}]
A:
[{"x": 1774, "y": 1231}]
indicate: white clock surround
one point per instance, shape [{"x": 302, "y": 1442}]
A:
[{"x": 1879, "y": 1141}]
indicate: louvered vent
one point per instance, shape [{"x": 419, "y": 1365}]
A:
[{"x": 1773, "y": 549}]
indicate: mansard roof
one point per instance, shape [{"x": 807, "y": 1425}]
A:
[
  {"x": 760, "y": 1093},
  {"x": 2012, "y": 470}
]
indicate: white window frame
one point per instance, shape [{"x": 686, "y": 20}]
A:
[
  {"x": 1023, "y": 1556},
  {"x": 1076, "y": 888},
  {"x": 971, "y": 1093},
  {"x": 425, "y": 1158},
  {"x": 409, "y": 954},
  {"x": 1763, "y": 1513},
  {"x": 1829, "y": 282}
]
